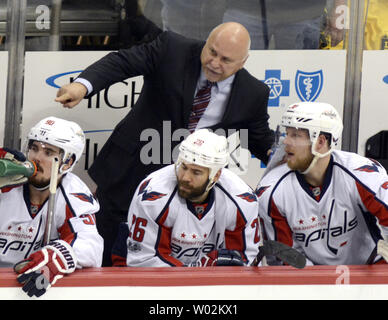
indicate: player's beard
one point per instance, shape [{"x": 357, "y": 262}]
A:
[
  {"x": 37, "y": 182},
  {"x": 194, "y": 193},
  {"x": 300, "y": 164}
]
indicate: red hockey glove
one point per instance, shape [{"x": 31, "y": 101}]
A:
[
  {"x": 221, "y": 257},
  {"x": 43, "y": 268}
]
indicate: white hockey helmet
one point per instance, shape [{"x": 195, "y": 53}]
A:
[
  {"x": 64, "y": 134},
  {"x": 317, "y": 118},
  {"x": 206, "y": 149}
]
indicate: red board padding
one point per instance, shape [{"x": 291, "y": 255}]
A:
[{"x": 180, "y": 276}]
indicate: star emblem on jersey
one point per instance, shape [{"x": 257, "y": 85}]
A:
[
  {"x": 312, "y": 220},
  {"x": 193, "y": 236}
]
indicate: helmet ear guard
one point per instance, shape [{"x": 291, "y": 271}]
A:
[{"x": 206, "y": 149}]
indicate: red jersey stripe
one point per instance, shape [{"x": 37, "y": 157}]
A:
[
  {"x": 163, "y": 245},
  {"x": 66, "y": 230},
  {"x": 234, "y": 240},
  {"x": 283, "y": 231}
]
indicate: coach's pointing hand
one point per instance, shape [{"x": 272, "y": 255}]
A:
[{"x": 71, "y": 94}]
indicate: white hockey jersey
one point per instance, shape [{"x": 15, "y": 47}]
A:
[
  {"x": 21, "y": 232},
  {"x": 338, "y": 223},
  {"x": 167, "y": 230}
]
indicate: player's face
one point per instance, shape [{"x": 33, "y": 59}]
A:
[
  {"x": 221, "y": 59},
  {"x": 192, "y": 180},
  {"x": 298, "y": 149},
  {"x": 42, "y": 154}
]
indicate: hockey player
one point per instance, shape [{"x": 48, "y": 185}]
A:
[
  {"x": 193, "y": 213},
  {"x": 75, "y": 242},
  {"x": 330, "y": 205}
]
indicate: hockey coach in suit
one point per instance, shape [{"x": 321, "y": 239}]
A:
[{"x": 174, "y": 70}]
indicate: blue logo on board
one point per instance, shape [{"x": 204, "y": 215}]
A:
[
  {"x": 51, "y": 80},
  {"x": 278, "y": 87},
  {"x": 308, "y": 85}
]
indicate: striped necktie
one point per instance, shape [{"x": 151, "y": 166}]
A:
[{"x": 201, "y": 101}]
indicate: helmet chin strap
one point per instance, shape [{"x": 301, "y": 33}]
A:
[
  {"x": 41, "y": 188},
  {"x": 48, "y": 185},
  {"x": 210, "y": 184},
  {"x": 317, "y": 156}
]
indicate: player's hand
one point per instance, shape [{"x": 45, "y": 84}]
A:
[
  {"x": 221, "y": 257},
  {"x": 71, "y": 94},
  {"x": 9, "y": 182},
  {"x": 43, "y": 268}
]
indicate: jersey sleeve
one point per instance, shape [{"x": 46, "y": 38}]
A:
[
  {"x": 77, "y": 225},
  {"x": 242, "y": 229},
  {"x": 243, "y": 234},
  {"x": 372, "y": 186}
]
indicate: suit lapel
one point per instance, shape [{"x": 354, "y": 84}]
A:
[
  {"x": 231, "y": 99},
  {"x": 234, "y": 97}
]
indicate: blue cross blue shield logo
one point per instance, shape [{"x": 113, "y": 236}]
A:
[
  {"x": 278, "y": 87},
  {"x": 308, "y": 84}
]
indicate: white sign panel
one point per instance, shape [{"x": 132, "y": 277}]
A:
[
  {"x": 3, "y": 92},
  {"x": 291, "y": 75},
  {"x": 373, "y": 100}
]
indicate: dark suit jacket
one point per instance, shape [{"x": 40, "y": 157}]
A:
[{"x": 171, "y": 68}]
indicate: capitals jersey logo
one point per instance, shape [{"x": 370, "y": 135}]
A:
[
  {"x": 247, "y": 196},
  {"x": 149, "y": 196},
  {"x": 84, "y": 197},
  {"x": 143, "y": 186},
  {"x": 368, "y": 168},
  {"x": 261, "y": 190}
]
